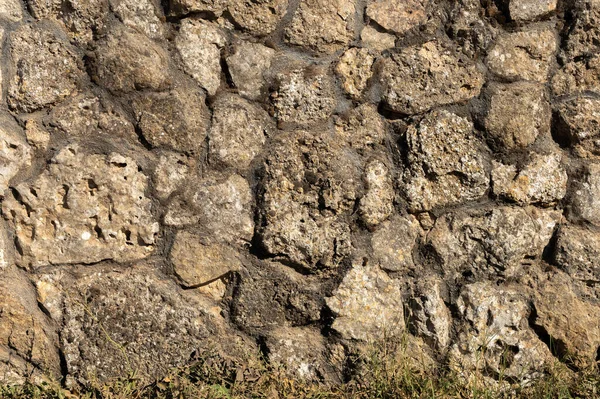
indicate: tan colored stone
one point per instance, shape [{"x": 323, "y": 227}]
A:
[
  {"x": 247, "y": 66},
  {"x": 170, "y": 173},
  {"x": 37, "y": 136},
  {"x": 184, "y": 7},
  {"x": 398, "y": 16},
  {"x": 15, "y": 153},
  {"x": 577, "y": 252},
  {"x": 429, "y": 316},
  {"x": 378, "y": 202},
  {"x": 585, "y": 197},
  {"x": 140, "y": 14},
  {"x": 11, "y": 10},
  {"x": 527, "y": 10},
  {"x": 258, "y": 17},
  {"x": 394, "y": 242},
  {"x": 362, "y": 128},
  {"x": 378, "y": 41},
  {"x": 355, "y": 69},
  {"x": 579, "y": 124},
  {"x": 577, "y": 77}
]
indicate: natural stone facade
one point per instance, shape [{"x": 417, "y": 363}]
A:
[{"x": 298, "y": 177}]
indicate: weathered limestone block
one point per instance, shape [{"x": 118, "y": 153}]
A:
[
  {"x": 571, "y": 323},
  {"x": 220, "y": 204},
  {"x": 258, "y": 17},
  {"x": 355, "y": 69},
  {"x": 303, "y": 221},
  {"x": 516, "y": 114},
  {"x": 143, "y": 15},
  {"x": 419, "y": 78},
  {"x": 272, "y": 295},
  {"x": 28, "y": 343},
  {"x": 247, "y": 66},
  {"x": 394, "y": 241},
  {"x": 199, "y": 43},
  {"x": 303, "y": 354},
  {"x": 541, "y": 180},
  {"x": 398, "y": 16},
  {"x": 197, "y": 261},
  {"x": 577, "y": 252},
  {"x": 491, "y": 241},
  {"x": 325, "y": 26},
  {"x": 238, "y": 133},
  {"x": 429, "y": 316},
  {"x": 84, "y": 208},
  {"x": 362, "y": 128},
  {"x": 367, "y": 304},
  {"x": 126, "y": 60},
  {"x": 46, "y": 68},
  {"x": 15, "y": 153},
  {"x": 177, "y": 119},
  {"x": 171, "y": 171},
  {"x": 578, "y": 125},
  {"x": 527, "y": 10},
  {"x": 375, "y": 40},
  {"x": 304, "y": 96},
  {"x": 585, "y": 198},
  {"x": 446, "y": 164},
  {"x": 11, "y": 10},
  {"x": 524, "y": 55},
  {"x": 378, "y": 202},
  {"x": 494, "y": 336}
]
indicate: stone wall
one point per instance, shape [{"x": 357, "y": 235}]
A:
[{"x": 298, "y": 177}]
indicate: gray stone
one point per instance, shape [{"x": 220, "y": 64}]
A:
[
  {"x": 579, "y": 124},
  {"x": 394, "y": 242},
  {"x": 430, "y": 318},
  {"x": 585, "y": 197},
  {"x": 140, "y": 14},
  {"x": 378, "y": 202},
  {"x": 171, "y": 172},
  {"x": 527, "y": 10},
  {"x": 577, "y": 252},
  {"x": 247, "y": 66}
]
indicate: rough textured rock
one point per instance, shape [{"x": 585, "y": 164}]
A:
[
  {"x": 199, "y": 43},
  {"x": 577, "y": 252},
  {"x": 170, "y": 173},
  {"x": 43, "y": 74},
  {"x": 177, "y": 119},
  {"x": 355, "y": 69},
  {"x": 368, "y": 304},
  {"x": 84, "y": 208},
  {"x": 247, "y": 66},
  {"x": 183, "y": 7},
  {"x": 396, "y": 15},
  {"x": 362, "y": 128},
  {"x": 304, "y": 96},
  {"x": 516, "y": 114},
  {"x": 378, "y": 41},
  {"x": 419, "y": 78},
  {"x": 258, "y": 17},
  {"x": 585, "y": 199},
  {"x": 11, "y": 10},
  {"x": 238, "y": 133},
  {"x": 541, "y": 180},
  {"x": 140, "y": 14},
  {"x": 394, "y": 242},
  {"x": 378, "y": 202},
  {"x": 490, "y": 241},
  {"x": 15, "y": 153},
  {"x": 322, "y": 25},
  {"x": 578, "y": 123},
  {"x": 524, "y": 55},
  {"x": 197, "y": 261},
  {"x": 429, "y": 317},
  {"x": 446, "y": 164},
  {"x": 527, "y": 10},
  {"x": 126, "y": 60}
]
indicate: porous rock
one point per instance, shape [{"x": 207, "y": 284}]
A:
[
  {"x": 430, "y": 318},
  {"x": 578, "y": 125},
  {"x": 355, "y": 69},
  {"x": 184, "y": 7},
  {"x": 585, "y": 198},
  {"x": 362, "y": 128},
  {"x": 527, "y": 10},
  {"x": 394, "y": 242},
  {"x": 418, "y": 78},
  {"x": 258, "y": 17},
  {"x": 140, "y": 14},
  {"x": 15, "y": 153},
  {"x": 578, "y": 76},
  {"x": 247, "y": 66},
  {"x": 577, "y": 252},
  {"x": 84, "y": 208},
  {"x": 378, "y": 202},
  {"x": 170, "y": 173},
  {"x": 446, "y": 162},
  {"x": 398, "y": 16},
  {"x": 11, "y": 10}
]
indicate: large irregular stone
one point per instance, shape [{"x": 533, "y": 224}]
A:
[
  {"x": 271, "y": 295},
  {"x": 375, "y": 40},
  {"x": 578, "y": 125},
  {"x": 28, "y": 343},
  {"x": 516, "y": 114},
  {"x": 258, "y": 17},
  {"x": 171, "y": 171},
  {"x": 394, "y": 242},
  {"x": 585, "y": 197},
  {"x": 446, "y": 165},
  {"x": 362, "y": 128},
  {"x": 126, "y": 60},
  {"x": 583, "y": 33},
  {"x": 199, "y": 42},
  {"x": 490, "y": 241},
  {"x": 304, "y": 96},
  {"x": 322, "y": 25},
  {"x": 471, "y": 27},
  {"x": 303, "y": 354},
  {"x": 527, "y": 10},
  {"x": 579, "y": 76},
  {"x": 119, "y": 321},
  {"x": 46, "y": 68},
  {"x": 541, "y": 180},
  {"x": 238, "y": 133},
  {"x": 398, "y": 16},
  {"x": 15, "y": 153},
  {"x": 524, "y": 55},
  {"x": 494, "y": 338},
  {"x": 247, "y": 66},
  {"x": 577, "y": 252},
  {"x": 220, "y": 204},
  {"x": 310, "y": 183},
  {"x": 367, "y": 304},
  {"x": 197, "y": 261},
  {"x": 355, "y": 69},
  {"x": 178, "y": 119},
  {"x": 430, "y": 318},
  {"x": 378, "y": 202},
  {"x": 140, "y": 14},
  {"x": 84, "y": 208},
  {"x": 571, "y": 324},
  {"x": 419, "y": 78},
  {"x": 11, "y": 10}
]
